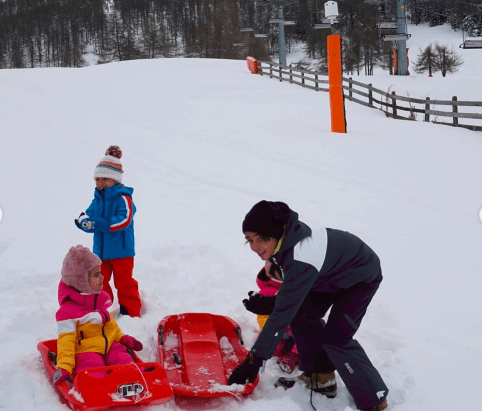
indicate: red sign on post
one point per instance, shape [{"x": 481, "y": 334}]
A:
[{"x": 253, "y": 64}]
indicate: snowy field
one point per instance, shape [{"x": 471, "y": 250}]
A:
[{"x": 204, "y": 140}]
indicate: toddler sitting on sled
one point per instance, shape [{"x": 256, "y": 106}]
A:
[{"x": 88, "y": 335}]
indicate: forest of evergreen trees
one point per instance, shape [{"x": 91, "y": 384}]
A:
[{"x": 61, "y": 33}]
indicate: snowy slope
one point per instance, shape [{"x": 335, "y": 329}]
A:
[{"x": 204, "y": 140}]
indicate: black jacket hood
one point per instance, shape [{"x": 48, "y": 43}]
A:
[{"x": 295, "y": 231}]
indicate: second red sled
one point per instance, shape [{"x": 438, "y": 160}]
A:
[{"x": 199, "y": 351}]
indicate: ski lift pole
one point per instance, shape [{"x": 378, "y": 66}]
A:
[
  {"x": 402, "y": 69},
  {"x": 281, "y": 38}
]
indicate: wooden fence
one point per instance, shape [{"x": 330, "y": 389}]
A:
[{"x": 391, "y": 104}]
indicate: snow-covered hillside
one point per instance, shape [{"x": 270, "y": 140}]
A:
[{"x": 203, "y": 140}]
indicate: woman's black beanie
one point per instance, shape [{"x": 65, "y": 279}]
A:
[{"x": 267, "y": 218}]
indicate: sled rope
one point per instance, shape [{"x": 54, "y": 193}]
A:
[
  {"x": 145, "y": 384},
  {"x": 151, "y": 353},
  {"x": 237, "y": 396}
]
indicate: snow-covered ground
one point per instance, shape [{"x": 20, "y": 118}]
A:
[{"x": 204, "y": 140}]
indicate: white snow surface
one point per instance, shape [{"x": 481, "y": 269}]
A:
[{"x": 203, "y": 141}]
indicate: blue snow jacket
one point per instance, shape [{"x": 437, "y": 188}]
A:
[{"x": 115, "y": 206}]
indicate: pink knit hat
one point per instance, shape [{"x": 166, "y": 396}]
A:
[{"x": 77, "y": 264}]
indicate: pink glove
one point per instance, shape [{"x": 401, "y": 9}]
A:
[
  {"x": 131, "y": 342},
  {"x": 61, "y": 375}
]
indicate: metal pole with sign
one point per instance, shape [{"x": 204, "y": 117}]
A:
[
  {"x": 281, "y": 38},
  {"x": 402, "y": 69}
]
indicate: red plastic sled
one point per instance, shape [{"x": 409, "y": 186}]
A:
[
  {"x": 199, "y": 351},
  {"x": 135, "y": 383}
]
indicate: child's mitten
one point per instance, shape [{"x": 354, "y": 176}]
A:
[
  {"x": 78, "y": 220},
  {"x": 61, "y": 375},
  {"x": 131, "y": 342},
  {"x": 85, "y": 223}
]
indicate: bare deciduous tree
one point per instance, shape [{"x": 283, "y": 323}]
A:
[
  {"x": 426, "y": 61},
  {"x": 448, "y": 61}
]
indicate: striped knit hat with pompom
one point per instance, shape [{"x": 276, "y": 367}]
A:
[{"x": 110, "y": 166}]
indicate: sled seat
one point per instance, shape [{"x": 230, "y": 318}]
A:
[{"x": 200, "y": 351}]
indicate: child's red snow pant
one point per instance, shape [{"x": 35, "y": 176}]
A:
[
  {"x": 117, "y": 355},
  {"x": 127, "y": 287}
]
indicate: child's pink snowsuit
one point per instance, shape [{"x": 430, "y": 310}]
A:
[
  {"x": 88, "y": 335},
  {"x": 116, "y": 355}
]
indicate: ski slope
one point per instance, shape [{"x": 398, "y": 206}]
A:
[{"x": 204, "y": 140}]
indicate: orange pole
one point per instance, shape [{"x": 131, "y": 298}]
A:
[{"x": 335, "y": 80}]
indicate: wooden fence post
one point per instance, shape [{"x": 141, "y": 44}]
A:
[
  {"x": 394, "y": 105},
  {"x": 427, "y": 108},
  {"x": 384, "y": 105},
  {"x": 455, "y": 109}
]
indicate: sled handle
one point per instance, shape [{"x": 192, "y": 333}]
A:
[
  {"x": 177, "y": 359},
  {"x": 52, "y": 357},
  {"x": 131, "y": 353},
  {"x": 237, "y": 329},
  {"x": 160, "y": 331}
]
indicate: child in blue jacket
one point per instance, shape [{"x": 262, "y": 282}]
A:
[{"x": 110, "y": 218}]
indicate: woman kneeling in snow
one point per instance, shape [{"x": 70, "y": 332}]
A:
[{"x": 318, "y": 270}]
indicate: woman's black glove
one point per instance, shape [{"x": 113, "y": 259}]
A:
[
  {"x": 247, "y": 370},
  {"x": 258, "y": 304}
]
